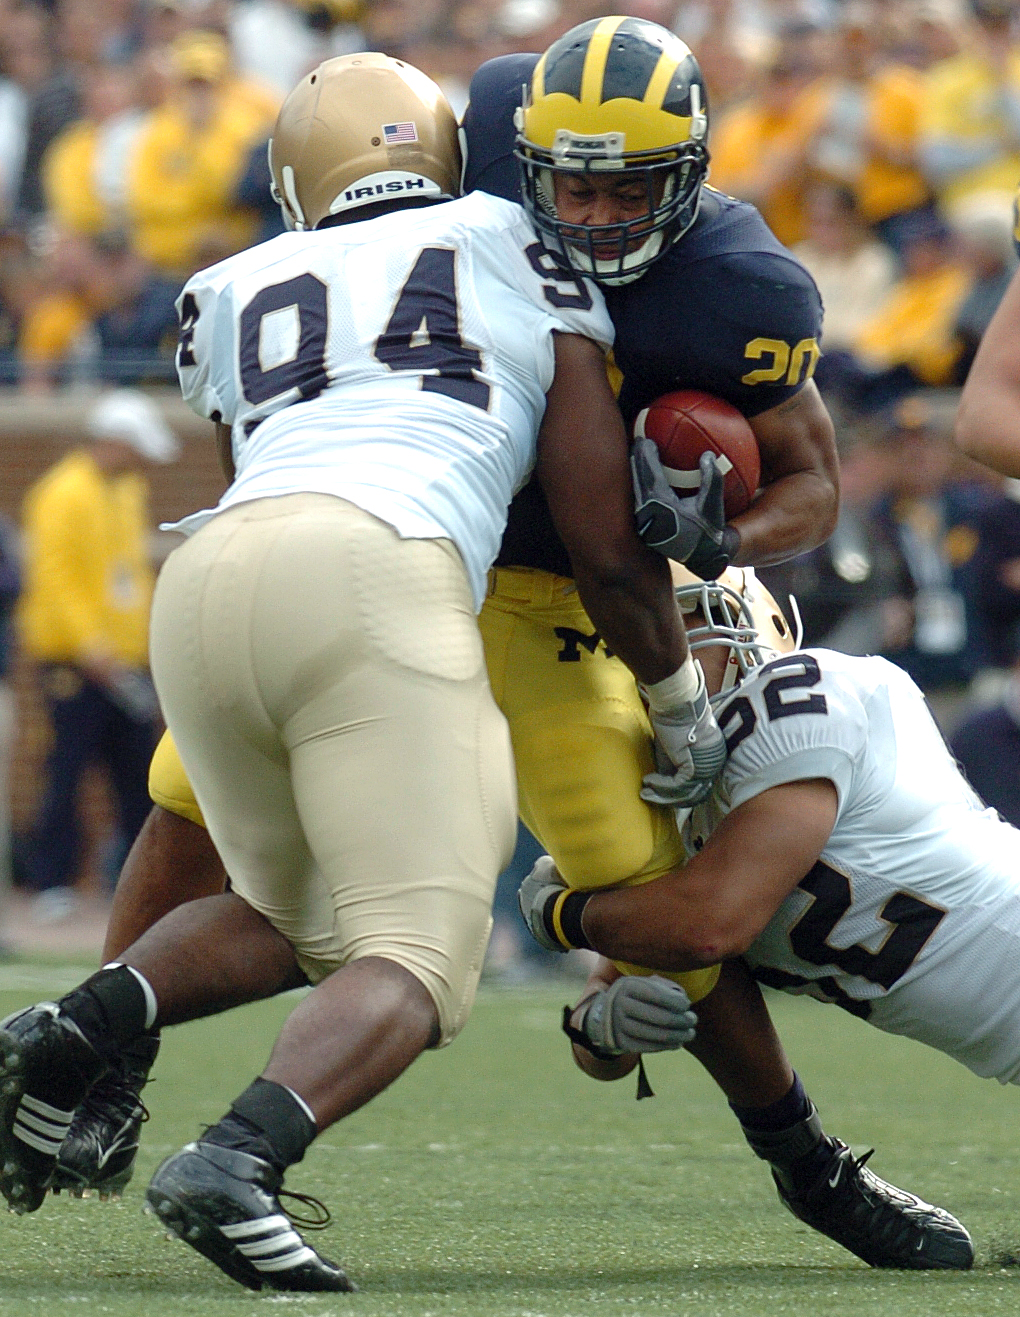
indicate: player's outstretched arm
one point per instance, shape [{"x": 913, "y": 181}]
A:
[
  {"x": 584, "y": 469},
  {"x": 988, "y": 419},
  {"x": 716, "y": 905},
  {"x": 796, "y": 510},
  {"x": 626, "y": 587}
]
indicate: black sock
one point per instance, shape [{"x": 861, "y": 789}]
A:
[
  {"x": 789, "y": 1136},
  {"x": 266, "y": 1121},
  {"x": 110, "y": 1009},
  {"x": 791, "y": 1108}
]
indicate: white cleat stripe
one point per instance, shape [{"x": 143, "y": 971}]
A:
[
  {"x": 260, "y": 1226},
  {"x": 303, "y": 1254},
  {"x": 49, "y": 1146},
  {"x": 266, "y": 1247},
  {"x": 56, "y": 1114},
  {"x": 51, "y": 1127}
]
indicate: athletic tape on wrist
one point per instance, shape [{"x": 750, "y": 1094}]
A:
[
  {"x": 562, "y": 919},
  {"x": 679, "y": 688}
]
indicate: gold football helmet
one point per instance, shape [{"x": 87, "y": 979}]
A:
[
  {"x": 623, "y": 95},
  {"x": 358, "y": 130},
  {"x": 738, "y": 612}
]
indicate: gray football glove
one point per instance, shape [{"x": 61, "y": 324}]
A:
[
  {"x": 639, "y": 1014},
  {"x": 690, "y": 752},
  {"x": 533, "y": 894},
  {"x": 692, "y": 529}
]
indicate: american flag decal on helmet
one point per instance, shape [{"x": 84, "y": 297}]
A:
[{"x": 395, "y": 133}]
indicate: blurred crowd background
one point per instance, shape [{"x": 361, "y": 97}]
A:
[{"x": 881, "y": 141}]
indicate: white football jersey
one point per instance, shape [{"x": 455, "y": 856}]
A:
[
  {"x": 911, "y": 917},
  {"x": 400, "y": 363}
]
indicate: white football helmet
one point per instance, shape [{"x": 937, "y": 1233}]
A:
[{"x": 739, "y": 612}]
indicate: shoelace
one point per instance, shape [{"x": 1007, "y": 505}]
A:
[
  {"x": 318, "y": 1222},
  {"x": 100, "y": 1102}
]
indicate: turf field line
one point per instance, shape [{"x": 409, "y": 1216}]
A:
[{"x": 43, "y": 978}]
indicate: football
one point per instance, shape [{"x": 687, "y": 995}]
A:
[{"x": 684, "y": 424}]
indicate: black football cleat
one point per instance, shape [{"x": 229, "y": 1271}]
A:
[
  {"x": 225, "y": 1204},
  {"x": 884, "y": 1226},
  {"x": 46, "y": 1068},
  {"x": 98, "y": 1154}
]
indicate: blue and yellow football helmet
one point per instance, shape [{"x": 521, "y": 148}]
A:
[{"x": 615, "y": 94}]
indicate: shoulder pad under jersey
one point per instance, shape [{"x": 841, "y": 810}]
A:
[
  {"x": 728, "y": 310},
  {"x": 794, "y": 718},
  {"x": 487, "y": 129}
]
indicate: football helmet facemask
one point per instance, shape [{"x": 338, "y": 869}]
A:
[
  {"x": 358, "y": 130},
  {"x": 615, "y": 96},
  {"x": 738, "y": 612}
]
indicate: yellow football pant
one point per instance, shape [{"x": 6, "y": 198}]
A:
[{"x": 581, "y": 741}]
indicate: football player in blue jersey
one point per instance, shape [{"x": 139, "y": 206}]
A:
[{"x": 702, "y": 296}]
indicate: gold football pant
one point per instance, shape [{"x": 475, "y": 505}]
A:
[
  {"x": 325, "y": 683},
  {"x": 581, "y": 739}
]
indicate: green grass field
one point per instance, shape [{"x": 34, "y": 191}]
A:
[{"x": 494, "y": 1180}]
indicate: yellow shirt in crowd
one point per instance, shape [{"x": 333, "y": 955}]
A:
[
  {"x": 51, "y": 326},
  {"x": 181, "y": 180},
  {"x": 894, "y": 97},
  {"x": 962, "y": 96},
  {"x": 748, "y": 138},
  {"x": 68, "y": 168},
  {"x": 915, "y": 326},
  {"x": 88, "y": 579}
]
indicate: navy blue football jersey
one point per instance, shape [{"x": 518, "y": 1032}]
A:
[{"x": 728, "y": 309}]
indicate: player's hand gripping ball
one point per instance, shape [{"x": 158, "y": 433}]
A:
[{"x": 685, "y": 424}]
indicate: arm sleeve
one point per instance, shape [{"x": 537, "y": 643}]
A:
[{"x": 205, "y": 320}]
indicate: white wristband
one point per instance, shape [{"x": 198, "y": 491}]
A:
[{"x": 680, "y": 688}]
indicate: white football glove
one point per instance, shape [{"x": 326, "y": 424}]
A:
[
  {"x": 690, "y": 752},
  {"x": 639, "y": 1014},
  {"x": 533, "y": 895}
]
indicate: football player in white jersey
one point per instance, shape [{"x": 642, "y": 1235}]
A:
[
  {"x": 842, "y": 855},
  {"x": 380, "y": 389}
]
